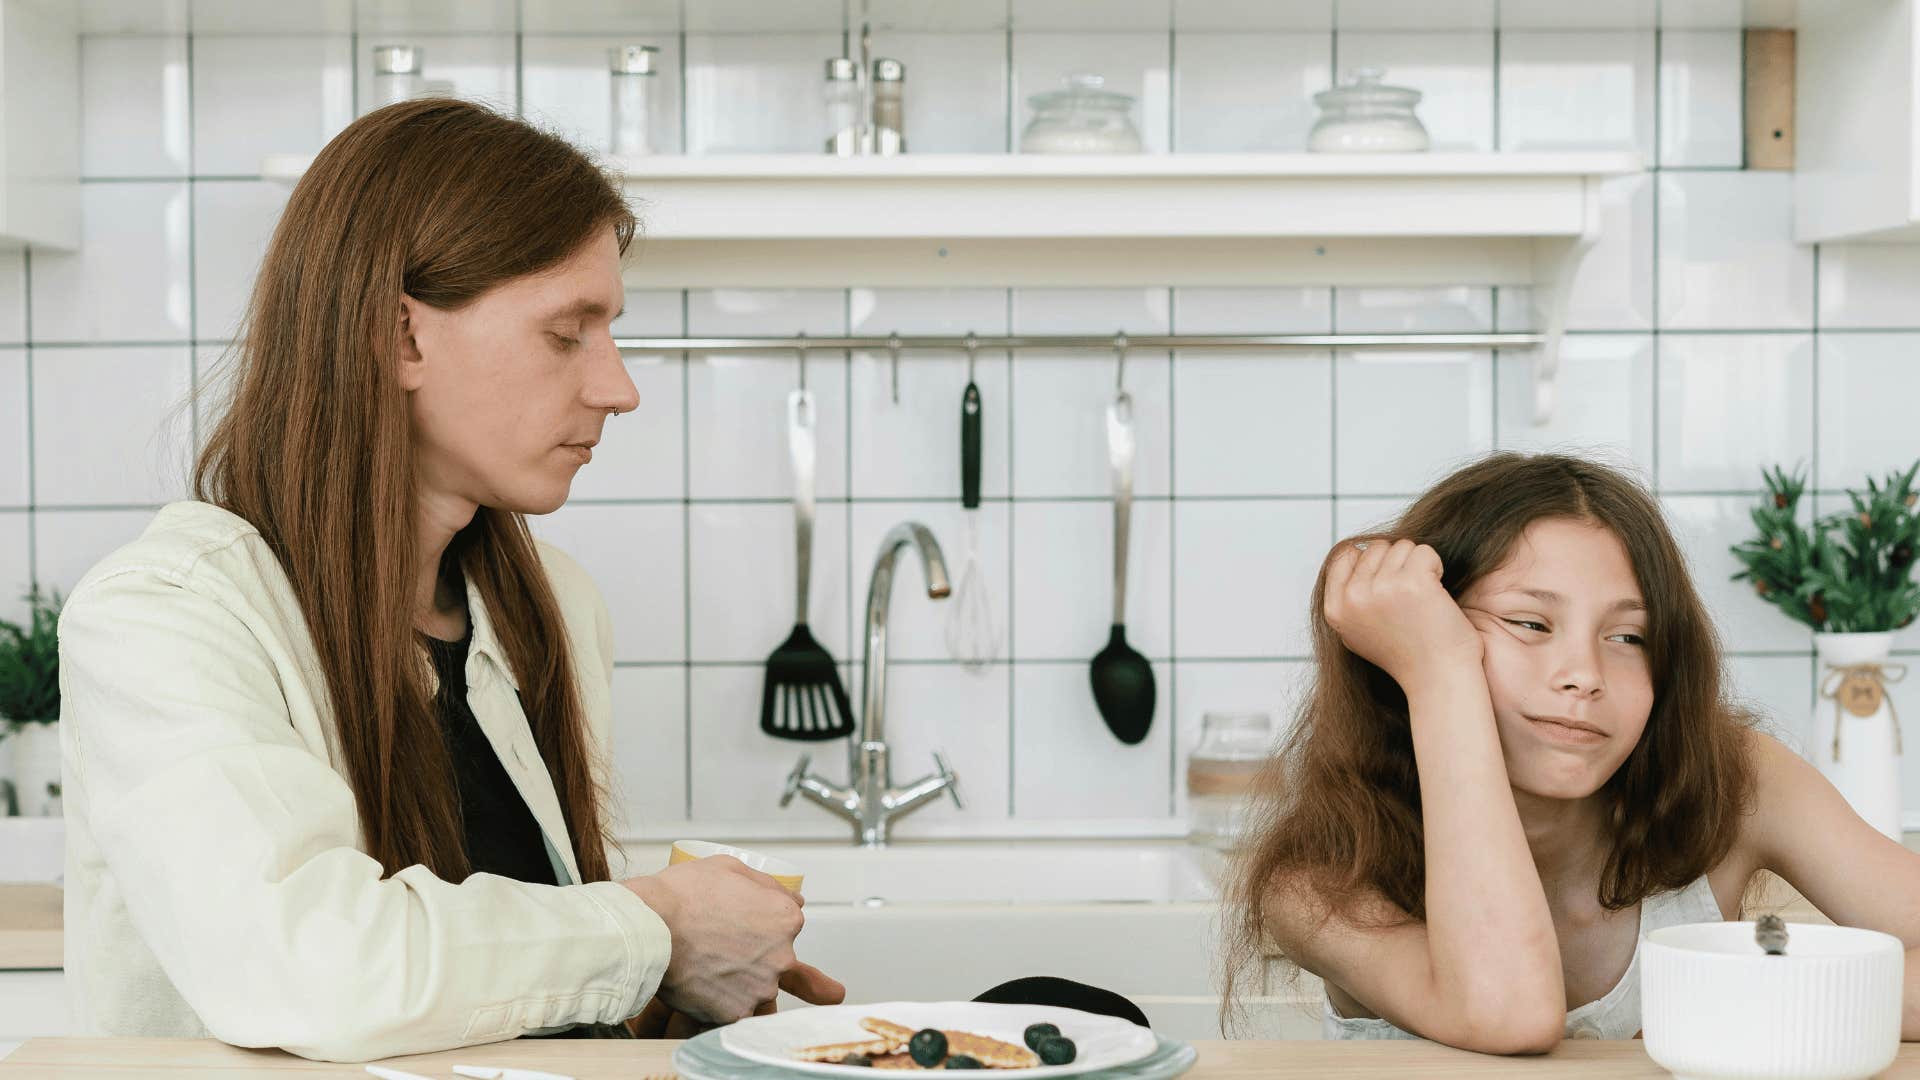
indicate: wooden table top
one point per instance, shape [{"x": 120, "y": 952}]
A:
[
  {"x": 608, "y": 1059},
  {"x": 30, "y": 934}
]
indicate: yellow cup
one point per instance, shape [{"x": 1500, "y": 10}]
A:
[{"x": 787, "y": 874}]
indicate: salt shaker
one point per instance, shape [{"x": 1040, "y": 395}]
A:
[
  {"x": 889, "y": 108},
  {"x": 843, "y": 107},
  {"x": 396, "y": 73},
  {"x": 631, "y": 70}
]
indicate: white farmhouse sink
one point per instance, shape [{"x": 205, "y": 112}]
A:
[{"x": 936, "y": 921}]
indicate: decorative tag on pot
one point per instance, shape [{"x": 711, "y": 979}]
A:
[{"x": 1861, "y": 691}]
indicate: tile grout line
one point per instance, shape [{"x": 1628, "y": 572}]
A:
[
  {"x": 1173, "y": 560},
  {"x": 1012, "y": 512},
  {"x": 193, "y": 258},
  {"x": 686, "y": 567},
  {"x": 1655, "y": 346},
  {"x": 33, "y": 465}
]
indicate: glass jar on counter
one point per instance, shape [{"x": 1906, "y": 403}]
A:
[
  {"x": 631, "y": 70},
  {"x": 1082, "y": 118},
  {"x": 1365, "y": 116},
  {"x": 1234, "y": 747},
  {"x": 396, "y": 74}
]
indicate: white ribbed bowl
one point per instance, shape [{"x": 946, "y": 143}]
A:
[{"x": 1715, "y": 1007}]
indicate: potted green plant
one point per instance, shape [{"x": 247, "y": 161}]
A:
[
  {"x": 30, "y": 702},
  {"x": 1850, "y": 578}
]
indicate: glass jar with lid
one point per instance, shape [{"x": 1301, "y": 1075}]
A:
[
  {"x": 1364, "y": 115},
  {"x": 1234, "y": 747},
  {"x": 1081, "y": 118}
]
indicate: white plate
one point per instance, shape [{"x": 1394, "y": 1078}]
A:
[{"x": 1103, "y": 1041}]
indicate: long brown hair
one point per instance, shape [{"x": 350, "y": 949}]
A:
[
  {"x": 1338, "y": 808},
  {"x": 440, "y": 200}
]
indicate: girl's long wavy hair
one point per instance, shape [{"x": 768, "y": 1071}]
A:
[
  {"x": 440, "y": 200},
  {"x": 1337, "y": 810}
]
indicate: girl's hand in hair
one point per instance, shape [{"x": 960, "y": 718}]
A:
[{"x": 1385, "y": 600}]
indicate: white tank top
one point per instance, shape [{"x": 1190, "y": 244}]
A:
[{"x": 1615, "y": 1015}]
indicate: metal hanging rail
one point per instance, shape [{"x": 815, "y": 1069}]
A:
[{"x": 1075, "y": 342}]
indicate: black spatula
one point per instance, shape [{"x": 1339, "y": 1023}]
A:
[{"x": 802, "y": 697}]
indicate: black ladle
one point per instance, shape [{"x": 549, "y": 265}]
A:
[{"x": 1122, "y": 679}]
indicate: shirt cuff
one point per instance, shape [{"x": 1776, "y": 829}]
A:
[{"x": 649, "y": 945}]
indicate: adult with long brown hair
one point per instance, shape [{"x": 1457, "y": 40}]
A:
[
  {"x": 1516, "y": 759},
  {"x": 335, "y": 733}
]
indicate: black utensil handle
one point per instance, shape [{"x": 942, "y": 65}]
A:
[{"x": 970, "y": 448}]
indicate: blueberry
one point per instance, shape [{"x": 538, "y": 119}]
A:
[
  {"x": 928, "y": 1047},
  {"x": 962, "y": 1061},
  {"x": 858, "y": 1061},
  {"x": 1056, "y": 1050},
  {"x": 1036, "y": 1032}
]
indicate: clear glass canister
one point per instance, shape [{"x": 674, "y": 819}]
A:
[
  {"x": 1082, "y": 118},
  {"x": 396, "y": 73},
  {"x": 1365, "y": 116},
  {"x": 1233, "y": 748},
  {"x": 843, "y": 100},
  {"x": 631, "y": 70}
]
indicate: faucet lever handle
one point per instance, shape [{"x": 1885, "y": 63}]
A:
[
  {"x": 795, "y": 778},
  {"x": 953, "y": 782}
]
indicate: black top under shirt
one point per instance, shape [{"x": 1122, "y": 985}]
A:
[
  {"x": 501, "y": 835},
  {"x": 500, "y": 832}
]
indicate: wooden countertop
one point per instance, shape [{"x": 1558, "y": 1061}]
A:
[
  {"x": 30, "y": 927},
  {"x": 601, "y": 1059}
]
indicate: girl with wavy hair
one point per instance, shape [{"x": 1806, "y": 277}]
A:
[{"x": 1518, "y": 757}]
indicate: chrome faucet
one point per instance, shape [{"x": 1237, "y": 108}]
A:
[{"x": 870, "y": 801}]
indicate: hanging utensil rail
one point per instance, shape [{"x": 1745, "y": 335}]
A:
[{"x": 891, "y": 343}]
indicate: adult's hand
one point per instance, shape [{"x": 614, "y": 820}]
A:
[{"x": 732, "y": 929}]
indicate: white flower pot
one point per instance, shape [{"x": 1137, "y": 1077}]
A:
[
  {"x": 6, "y": 768},
  {"x": 36, "y": 768},
  {"x": 1866, "y": 766}
]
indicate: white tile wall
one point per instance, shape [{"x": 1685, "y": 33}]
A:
[
  {"x": 1732, "y": 404},
  {"x": 1603, "y": 400},
  {"x": 1727, "y": 256},
  {"x": 1704, "y": 348},
  {"x": 137, "y": 435},
  {"x": 255, "y": 96},
  {"x": 134, "y": 107},
  {"x": 15, "y": 434},
  {"x": 1701, "y": 81},
  {"x": 130, "y": 280},
  {"x": 1577, "y": 91}
]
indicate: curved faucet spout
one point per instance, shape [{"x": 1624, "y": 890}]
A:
[
  {"x": 869, "y": 801},
  {"x": 873, "y": 712}
]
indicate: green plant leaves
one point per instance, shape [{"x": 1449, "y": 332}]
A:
[
  {"x": 1853, "y": 571},
  {"x": 30, "y": 662}
]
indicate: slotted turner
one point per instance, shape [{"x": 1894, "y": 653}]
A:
[{"x": 802, "y": 697}]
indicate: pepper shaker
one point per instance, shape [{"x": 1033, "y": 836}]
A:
[{"x": 889, "y": 107}]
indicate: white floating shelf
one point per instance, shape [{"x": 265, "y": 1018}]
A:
[{"x": 1012, "y": 220}]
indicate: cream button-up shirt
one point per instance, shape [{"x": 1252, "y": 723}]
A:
[{"x": 216, "y": 880}]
